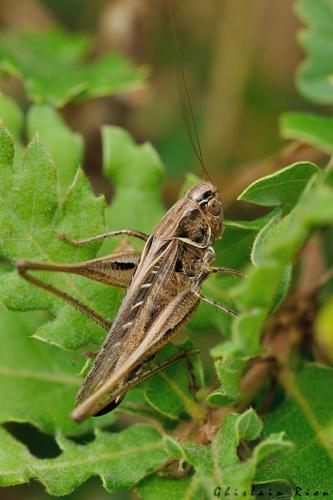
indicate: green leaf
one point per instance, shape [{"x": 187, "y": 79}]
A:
[
  {"x": 229, "y": 373},
  {"x": 218, "y": 465},
  {"x": 30, "y": 217},
  {"x": 234, "y": 247},
  {"x": 233, "y": 250},
  {"x": 258, "y": 255},
  {"x": 53, "y": 68},
  {"x": 38, "y": 382},
  {"x": 281, "y": 188},
  {"x": 11, "y": 115},
  {"x": 309, "y": 128},
  {"x": 64, "y": 146},
  {"x": 314, "y": 79},
  {"x": 13, "y": 459},
  {"x": 250, "y": 425},
  {"x": 169, "y": 392},
  {"x": 165, "y": 489},
  {"x": 137, "y": 173},
  {"x": 306, "y": 418},
  {"x": 119, "y": 459},
  {"x": 256, "y": 294}
]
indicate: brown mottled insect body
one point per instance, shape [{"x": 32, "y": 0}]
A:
[
  {"x": 163, "y": 292},
  {"x": 179, "y": 240},
  {"x": 163, "y": 284}
]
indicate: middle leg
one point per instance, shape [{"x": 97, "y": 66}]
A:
[{"x": 217, "y": 305}]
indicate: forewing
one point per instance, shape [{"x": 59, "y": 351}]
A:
[
  {"x": 155, "y": 267},
  {"x": 171, "y": 319}
]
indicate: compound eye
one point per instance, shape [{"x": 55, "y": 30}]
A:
[{"x": 214, "y": 206}]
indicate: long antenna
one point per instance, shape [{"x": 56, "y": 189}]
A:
[{"x": 186, "y": 97}]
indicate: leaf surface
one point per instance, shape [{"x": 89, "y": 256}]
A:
[
  {"x": 218, "y": 465},
  {"x": 137, "y": 172},
  {"x": 309, "y": 128},
  {"x": 11, "y": 114},
  {"x": 284, "y": 187},
  {"x": 256, "y": 294},
  {"x": 64, "y": 146},
  {"x": 315, "y": 74},
  {"x": 53, "y": 68},
  {"x": 33, "y": 235},
  {"x": 30, "y": 218},
  {"x": 38, "y": 382},
  {"x": 172, "y": 391},
  {"x": 306, "y": 418},
  {"x": 119, "y": 459},
  {"x": 165, "y": 489}
]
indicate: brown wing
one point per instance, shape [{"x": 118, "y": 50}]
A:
[
  {"x": 145, "y": 298},
  {"x": 173, "y": 316},
  {"x": 154, "y": 286}
]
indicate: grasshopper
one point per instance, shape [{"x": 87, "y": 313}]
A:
[
  {"x": 163, "y": 291},
  {"x": 163, "y": 285}
]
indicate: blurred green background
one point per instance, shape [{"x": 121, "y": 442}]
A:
[{"x": 240, "y": 59}]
